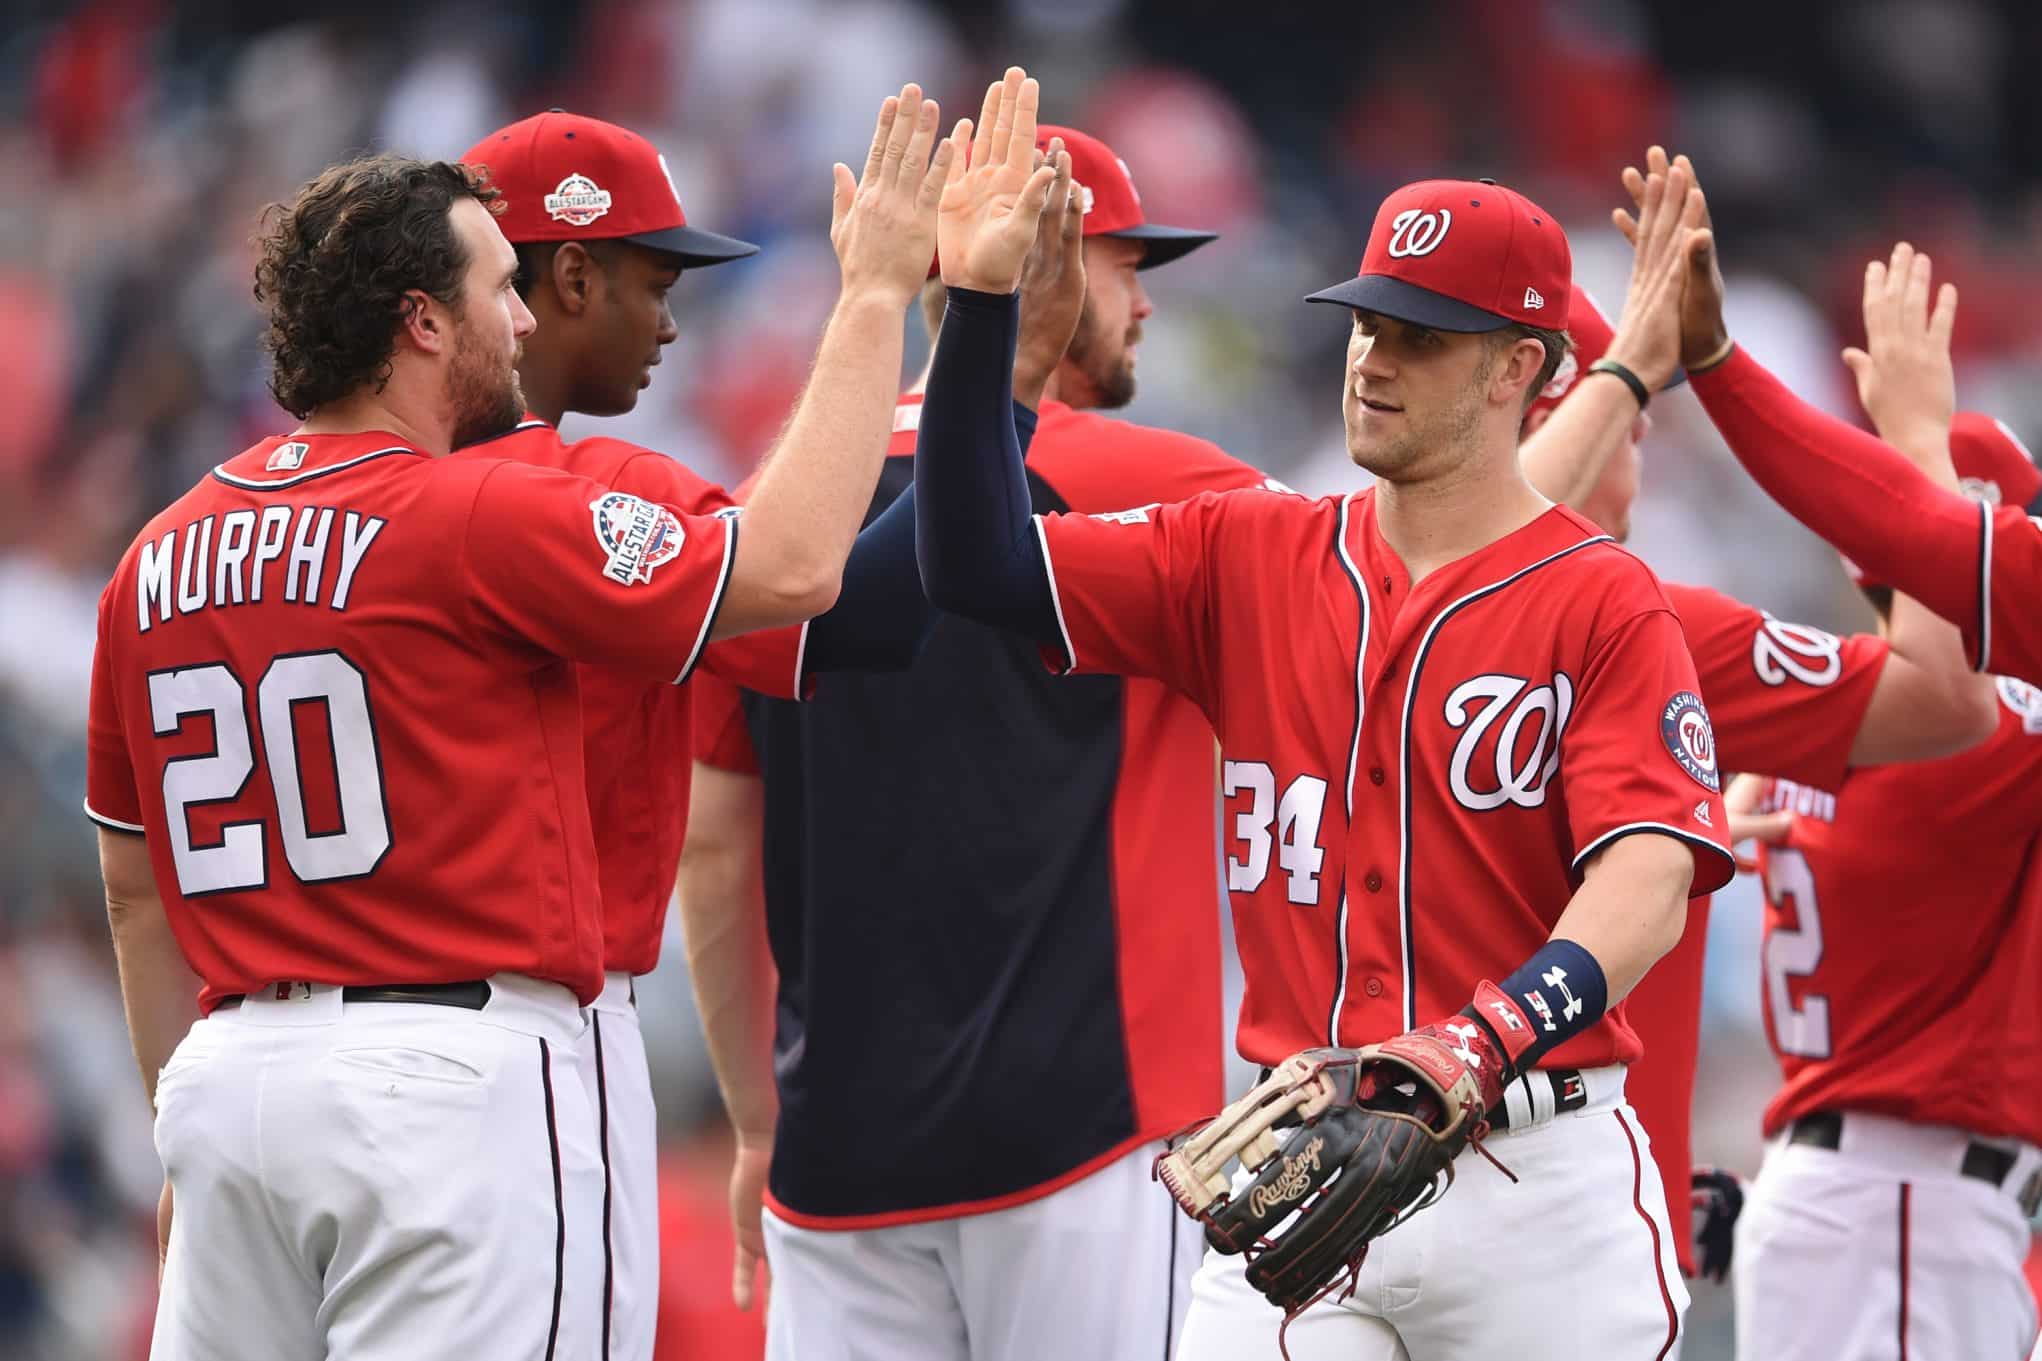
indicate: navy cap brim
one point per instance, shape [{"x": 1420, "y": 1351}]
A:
[
  {"x": 1164, "y": 244},
  {"x": 1388, "y": 297},
  {"x": 694, "y": 246}
]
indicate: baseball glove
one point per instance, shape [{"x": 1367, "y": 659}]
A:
[{"x": 1373, "y": 1134}]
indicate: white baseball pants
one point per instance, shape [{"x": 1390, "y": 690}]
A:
[
  {"x": 619, "y": 1084},
  {"x": 378, "y": 1181},
  {"x": 1881, "y": 1248},
  {"x": 1099, "y": 1269}
]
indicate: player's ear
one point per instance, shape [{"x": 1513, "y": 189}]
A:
[
  {"x": 1519, "y": 370},
  {"x": 573, "y": 276},
  {"x": 423, "y": 322}
]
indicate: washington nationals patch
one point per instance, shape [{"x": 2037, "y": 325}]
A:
[{"x": 1684, "y": 727}]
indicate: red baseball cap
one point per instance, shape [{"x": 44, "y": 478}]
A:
[
  {"x": 565, "y": 177},
  {"x": 1993, "y": 466},
  {"x": 1591, "y": 333},
  {"x": 1462, "y": 255},
  {"x": 1112, "y": 206}
]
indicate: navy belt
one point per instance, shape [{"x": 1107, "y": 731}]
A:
[{"x": 470, "y": 996}]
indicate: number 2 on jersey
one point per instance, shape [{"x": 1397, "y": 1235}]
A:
[
  {"x": 1794, "y": 953},
  {"x": 1295, "y": 820},
  {"x": 240, "y": 860}
]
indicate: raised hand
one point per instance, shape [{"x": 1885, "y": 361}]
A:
[
  {"x": 1741, "y": 801},
  {"x": 1667, "y": 232},
  {"x": 1904, "y": 375},
  {"x": 1052, "y": 282},
  {"x": 992, "y": 205},
  {"x": 883, "y": 224},
  {"x": 1704, "y": 340}
]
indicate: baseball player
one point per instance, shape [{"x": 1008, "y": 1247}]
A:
[
  {"x": 1976, "y": 565},
  {"x": 1084, "y": 973},
  {"x": 1390, "y": 675},
  {"x": 1890, "y": 1217},
  {"x": 335, "y": 755},
  {"x": 602, "y": 240},
  {"x": 1787, "y": 699}
]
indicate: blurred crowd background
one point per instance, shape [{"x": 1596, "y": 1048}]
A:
[{"x": 144, "y": 136}]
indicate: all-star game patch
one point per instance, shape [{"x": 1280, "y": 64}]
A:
[
  {"x": 2023, "y": 699},
  {"x": 577, "y": 201},
  {"x": 635, "y": 535},
  {"x": 1684, "y": 727}
]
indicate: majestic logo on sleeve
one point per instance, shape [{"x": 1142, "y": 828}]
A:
[
  {"x": 1416, "y": 233},
  {"x": 577, "y": 201},
  {"x": 2024, "y": 700},
  {"x": 1527, "y": 721},
  {"x": 635, "y": 535},
  {"x": 1781, "y": 652},
  {"x": 1139, "y": 515},
  {"x": 1684, "y": 727}
]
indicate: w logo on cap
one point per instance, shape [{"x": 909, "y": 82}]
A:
[{"x": 1418, "y": 233}]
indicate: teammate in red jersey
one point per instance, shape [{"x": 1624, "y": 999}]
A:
[
  {"x": 602, "y": 240},
  {"x": 1390, "y": 674},
  {"x": 873, "y": 808},
  {"x": 1884, "y": 506},
  {"x": 379, "y": 863},
  {"x": 1903, "y": 922},
  {"x": 1787, "y": 699}
]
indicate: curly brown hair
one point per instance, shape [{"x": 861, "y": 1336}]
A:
[{"x": 336, "y": 262}]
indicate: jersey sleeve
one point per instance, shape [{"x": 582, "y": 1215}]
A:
[
  {"x": 111, "y": 799},
  {"x": 1134, "y": 593},
  {"x": 1639, "y": 754},
  {"x": 1786, "y": 699},
  {"x": 769, "y": 661},
  {"x": 2007, "y": 637},
  {"x": 722, "y": 738},
  {"x": 594, "y": 574}
]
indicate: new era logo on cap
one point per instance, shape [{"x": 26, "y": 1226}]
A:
[
  {"x": 1461, "y": 255},
  {"x": 565, "y": 177}
]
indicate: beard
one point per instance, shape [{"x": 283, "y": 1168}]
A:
[
  {"x": 1102, "y": 359},
  {"x": 482, "y": 392}
]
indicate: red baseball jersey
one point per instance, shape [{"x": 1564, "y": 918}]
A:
[
  {"x": 2008, "y": 636},
  {"x": 1903, "y": 922},
  {"x": 636, "y": 735},
  {"x": 1403, "y": 817},
  {"x": 1786, "y": 699},
  {"x": 330, "y": 689}
]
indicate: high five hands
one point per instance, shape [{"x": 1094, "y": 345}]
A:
[
  {"x": 992, "y": 201},
  {"x": 1704, "y": 341}
]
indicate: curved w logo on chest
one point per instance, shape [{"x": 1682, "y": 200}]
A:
[{"x": 1509, "y": 749}]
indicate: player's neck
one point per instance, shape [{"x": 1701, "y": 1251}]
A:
[
  {"x": 424, "y": 425},
  {"x": 1439, "y": 520}
]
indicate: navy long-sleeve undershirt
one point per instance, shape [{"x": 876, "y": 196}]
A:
[{"x": 974, "y": 533}]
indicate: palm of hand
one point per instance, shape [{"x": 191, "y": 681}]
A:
[{"x": 975, "y": 235}]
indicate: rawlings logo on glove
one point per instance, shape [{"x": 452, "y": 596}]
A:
[{"x": 1372, "y": 1135}]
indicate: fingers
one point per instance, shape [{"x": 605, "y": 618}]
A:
[
  {"x": 1027, "y": 105},
  {"x": 1035, "y": 193},
  {"x": 1003, "y": 125},
  {"x": 1859, "y": 363},
  {"x": 743, "y": 1268},
  {"x": 844, "y": 190},
  {"x": 906, "y": 118},
  {"x": 941, "y": 167},
  {"x": 1626, "y": 224},
  {"x": 1943, "y": 320},
  {"x": 888, "y": 109},
  {"x": 1059, "y": 196},
  {"x": 1655, "y": 160},
  {"x": 1914, "y": 295},
  {"x": 988, "y": 116},
  {"x": 1634, "y": 185},
  {"x": 1875, "y": 294},
  {"x": 916, "y": 163},
  {"x": 1689, "y": 166}
]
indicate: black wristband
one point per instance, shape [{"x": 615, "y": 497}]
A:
[{"x": 1631, "y": 380}]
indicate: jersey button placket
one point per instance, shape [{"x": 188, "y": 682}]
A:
[
  {"x": 1373, "y": 987},
  {"x": 1373, "y": 882},
  {"x": 1375, "y": 775}
]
